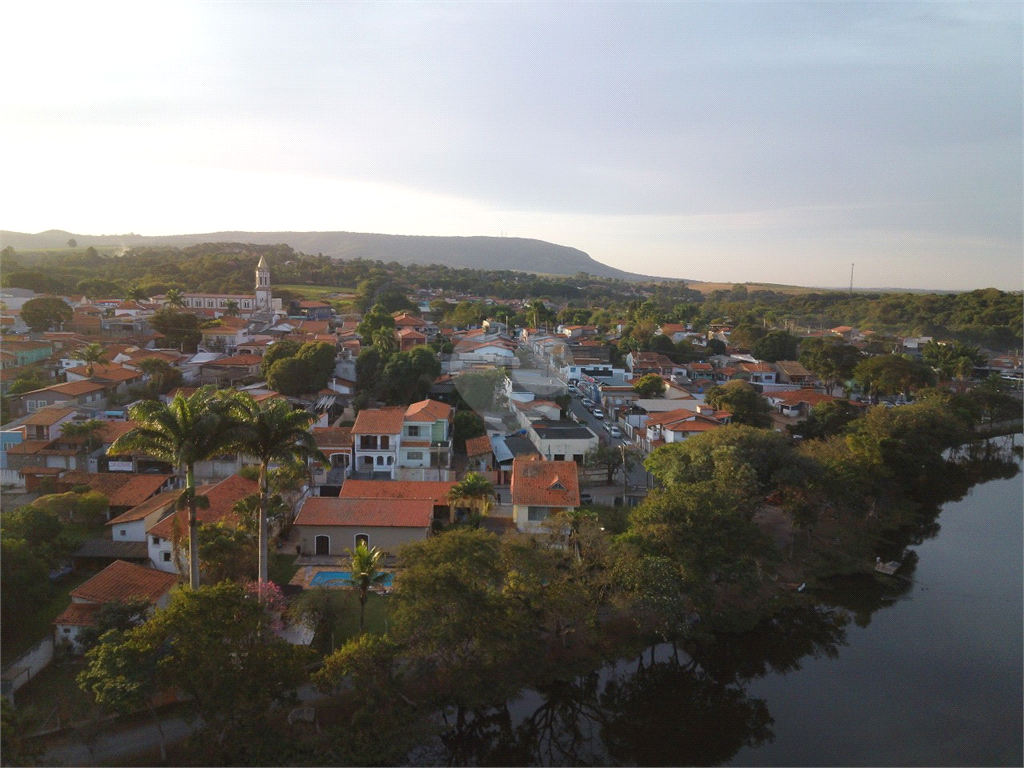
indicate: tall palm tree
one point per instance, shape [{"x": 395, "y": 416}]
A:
[
  {"x": 474, "y": 490},
  {"x": 231, "y": 308},
  {"x": 272, "y": 433},
  {"x": 90, "y": 355},
  {"x": 183, "y": 432},
  {"x": 365, "y": 572},
  {"x": 174, "y": 298}
]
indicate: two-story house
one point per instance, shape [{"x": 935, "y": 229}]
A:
[
  {"x": 541, "y": 489},
  {"x": 426, "y": 437},
  {"x": 376, "y": 435}
]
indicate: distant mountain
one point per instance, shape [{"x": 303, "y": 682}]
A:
[{"x": 515, "y": 253}]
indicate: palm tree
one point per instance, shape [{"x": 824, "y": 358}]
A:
[
  {"x": 174, "y": 298},
  {"x": 273, "y": 432},
  {"x": 231, "y": 308},
  {"x": 183, "y": 432},
  {"x": 365, "y": 572},
  {"x": 90, "y": 355},
  {"x": 475, "y": 490}
]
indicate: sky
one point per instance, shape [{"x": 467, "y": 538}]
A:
[{"x": 736, "y": 142}]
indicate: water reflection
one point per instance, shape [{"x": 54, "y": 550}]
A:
[{"x": 690, "y": 705}]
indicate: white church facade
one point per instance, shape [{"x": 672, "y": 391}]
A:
[{"x": 261, "y": 301}]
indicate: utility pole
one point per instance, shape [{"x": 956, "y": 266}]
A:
[{"x": 851, "y": 278}]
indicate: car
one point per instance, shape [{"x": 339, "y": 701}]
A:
[
  {"x": 588, "y": 403},
  {"x": 598, "y": 413},
  {"x": 607, "y": 427},
  {"x": 615, "y": 432}
]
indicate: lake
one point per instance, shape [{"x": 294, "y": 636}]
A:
[{"x": 920, "y": 670}]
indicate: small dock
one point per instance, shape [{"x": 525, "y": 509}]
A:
[{"x": 889, "y": 568}]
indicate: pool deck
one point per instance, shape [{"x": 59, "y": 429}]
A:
[{"x": 311, "y": 565}]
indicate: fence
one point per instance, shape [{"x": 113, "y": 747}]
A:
[{"x": 27, "y": 667}]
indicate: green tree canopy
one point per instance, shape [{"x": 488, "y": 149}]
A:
[
  {"x": 742, "y": 401},
  {"x": 649, "y": 385},
  {"x": 46, "y": 313}
]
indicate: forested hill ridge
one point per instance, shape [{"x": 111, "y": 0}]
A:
[{"x": 506, "y": 253}]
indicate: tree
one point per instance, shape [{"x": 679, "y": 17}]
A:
[
  {"x": 89, "y": 430},
  {"x": 610, "y": 458},
  {"x": 272, "y": 433},
  {"x": 830, "y": 360},
  {"x": 777, "y": 345},
  {"x": 289, "y": 376},
  {"x": 231, "y": 308},
  {"x": 408, "y": 376},
  {"x": 467, "y": 425},
  {"x": 742, "y": 401},
  {"x": 90, "y": 355},
  {"x": 365, "y": 572},
  {"x": 162, "y": 374},
  {"x": 482, "y": 390},
  {"x": 320, "y": 609},
  {"x": 72, "y": 243},
  {"x": 376, "y": 319},
  {"x": 649, "y": 385},
  {"x": 183, "y": 432},
  {"x": 891, "y": 374},
  {"x": 474, "y": 491},
  {"x": 24, "y": 585},
  {"x": 826, "y": 419},
  {"x": 174, "y": 298},
  {"x": 745, "y": 335},
  {"x": 279, "y": 350},
  {"x": 215, "y": 644},
  {"x": 953, "y": 359},
  {"x": 181, "y": 329},
  {"x": 45, "y": 312},
  {"x": 118, "y": 616},
  {"x": 227, "y": 553}
]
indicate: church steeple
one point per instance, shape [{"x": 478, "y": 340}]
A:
[{"x": 263, "y": 292}]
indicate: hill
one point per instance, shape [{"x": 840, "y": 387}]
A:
[{"x": 515, "y": 253}]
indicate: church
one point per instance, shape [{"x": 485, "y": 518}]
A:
[{"x": 261, "y": 302}]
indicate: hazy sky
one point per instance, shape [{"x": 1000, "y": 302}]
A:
[{"x": 775, "y": 142}]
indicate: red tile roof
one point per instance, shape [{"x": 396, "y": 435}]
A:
[
  {"x": 150, "y": 505},
  {"x": 478, "y": 446},
  {"x": 391, "y": 513},
  {"x": 222, "y": 498},
  {"x": 47, "y": 417},
  {"x": 123, "y": 581},
  {"x": 428, "y": 410},
  {"x": 545, "y": 483},
  {"x": 379, "y": 421},
  {"x": 78, "y": 615},
  {"x": 436, "y": 491}
]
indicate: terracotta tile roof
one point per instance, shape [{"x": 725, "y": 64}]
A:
[
  {"x": 47, "y": 417},
  {"x": 407, "y": 443},
  {"x": 379, "y": 421},
  {"x": 248, "y": 361},
  {"x": 127, "y": 488},
  {"x": 78, "y": 615},
  {"x": 478, "y": 446},
  {"x": 545, "y": 483},
  {"x": 795, "y": 397},
  {"x": 436, "y": 491},
  {"x": 123, "y": 581},
  {"x": 221, "y": 496},
  {"x": 71, "y": 388},
  {"x": 150, "y": 505},
  {"x": 669, "y": 328},
  {"x": 28, "y": 447},
  {"x": 792, "y": 368},
  {"x": 428, "y": 411},
  {"x": 757, "y": 367},
  {"x": 384, "y": 512},
  {"x": 111, "y": 372},
  {"x": 405, "y": 319},
  {"x": 332, "y": 437},
  {"x": 410, "y": 333}
]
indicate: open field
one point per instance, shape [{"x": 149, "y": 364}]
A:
[
  {"x": 793, "y": 290},
  {"x": 318, "y": 292}
]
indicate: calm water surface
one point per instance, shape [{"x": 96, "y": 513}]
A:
[
  {"x": 928, "y": 671},
  {"x": 936, "y": 679}
]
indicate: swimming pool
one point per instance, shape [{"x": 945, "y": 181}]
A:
[{"x": 339, "y": 579}]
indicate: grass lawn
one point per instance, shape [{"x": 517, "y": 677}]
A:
[
  {"x": 40, "y": 623},
  {"x": 316, "y": 292},
  {"x": 54, "y": 691}
]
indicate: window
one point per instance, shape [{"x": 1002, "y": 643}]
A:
[
  {"x": 362, "y": 538},
  {"x": 156, "y": 541},
  {"x": 368, "y": 442},
  {"x": 412, "y": 430},
  {"x": 167, "y": 557},
  {"x": 322, "y": 545},
  {"x": 30, "y": 405},
  {"x": 385, "y": 442},
  {"x": 367, "y": 461},
  {"x": 391, "y": 460},
  {"x": 124, "y": 532},
  {"x": 536, "y": 514},
  {"x": 415, "y": 455},
  {"x": 559, "y": 457},
  {"x": 578, "y": 458}
]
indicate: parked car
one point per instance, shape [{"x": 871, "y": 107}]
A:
[
  {"x": 588, "y": 403},
  {"x": 615, "y": 432},
  {"x": 598, "y": 413}
]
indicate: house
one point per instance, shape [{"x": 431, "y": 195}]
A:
[
  {"x": 226, "y": 335},
  {"x": 70, "y": 393},
  {"x": 169, "y": 536},
  {"x": 797, "y": 402},
  {"x": 434, "y": 490},
  {"x": 409, "y": 338},
  {"x": 542, "y": 488},
  {"x": 700, "y": 371},
  {"x": 676, "y": 426},
  {"x": 47, "y": 423},
  {"x": 119, "y": 581},
  {"x": 26, "y": 351},
  {"x": 674, "y": 331},
  {"x": 759, "y": 373},
  {"x": 133, "y": 524},
  {"x": 426, "y": 436},
  {"x": 332, "y": 526},
  {"x": 114, "y": 374},
  {"x": 336, "y": 444},
  {"x": 314, "y": 310},
  {"x": 226, "y": 371},
  {"x": 562, "y": 440},
  {"x": 792, "y": 372},
  {"x": 641, "y": 363},
  {"x": 375, "y": 437},
  {"x": 479, "y": 454}
]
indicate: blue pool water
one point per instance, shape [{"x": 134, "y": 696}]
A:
[{"x": 338, "y": 579}]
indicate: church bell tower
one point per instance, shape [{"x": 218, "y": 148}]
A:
[{"x": 263, "y": 293}]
